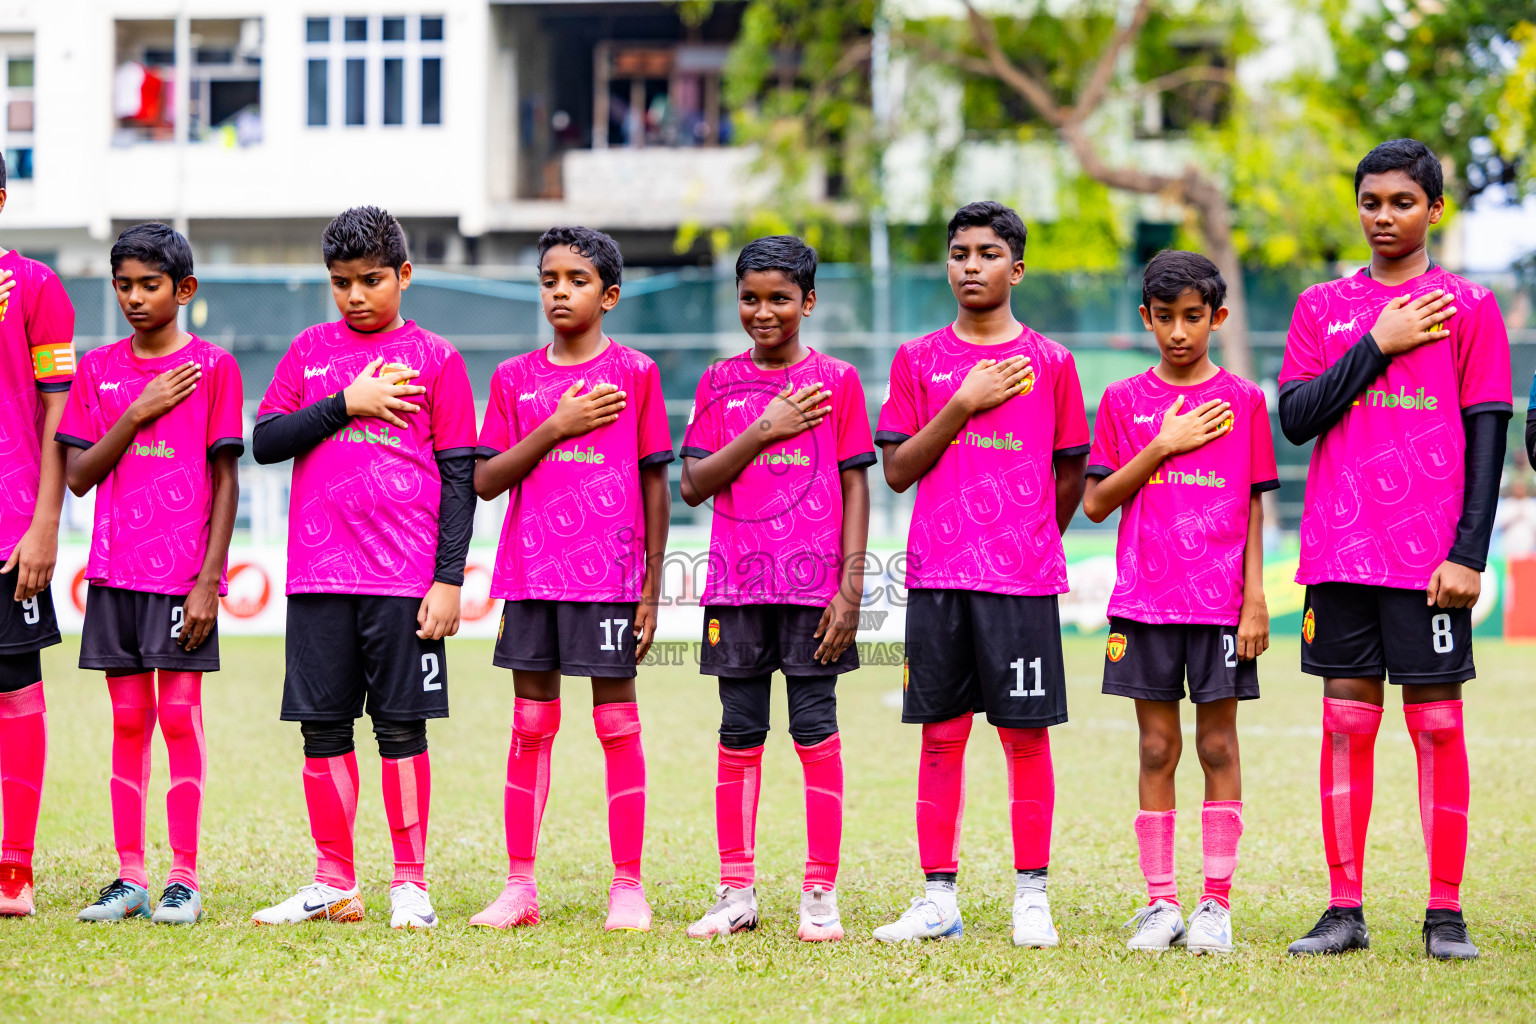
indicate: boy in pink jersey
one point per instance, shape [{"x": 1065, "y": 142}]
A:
[
  {"x": 577, "y": 431},
  {"x": 1189, "y": 586},
  {"x": 379, "y": 419},
  {"x": 986, "y": 417},
  {"x": 1401, "y": 372},
  {"x": 154, "y": 424},
  {"x": 37, "y": 363},
  {"x": 779, "y": 438}
]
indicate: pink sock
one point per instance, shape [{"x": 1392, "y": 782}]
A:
[
  {"x": 1031, "y": 795},
  {"x": 181, "y": 723},
  {"x": 407, "y": 798},
  {"x": 1346, "y": 777},
  {"x": 330, "y": 790},
  {"x": 133, "y": 726},
  {"x": 23, "y": 752},
  {"x": 941, "y": 793},
  {"x": 738, "y": 780},
  {"x": 1221, "y": 825},
  {"x": 1154, "y": 843},
  {"x": 618, "y": 730},
  {"x": 534, "y": 724},
  {"x": 1444, "y": 791},
  {"x": 823, "y": 767}
]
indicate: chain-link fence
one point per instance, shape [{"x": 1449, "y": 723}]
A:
[{"x": 684, "y": 319}]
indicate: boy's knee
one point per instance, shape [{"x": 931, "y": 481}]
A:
[
  {"x": 1160, "y": 752},
  {"x": 1217, "y": 750},
  {"x": 399, "y": 740},
  {"x": 326, "y": 739}
]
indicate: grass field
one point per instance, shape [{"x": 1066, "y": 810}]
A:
[{"x": 256, "y": 849}]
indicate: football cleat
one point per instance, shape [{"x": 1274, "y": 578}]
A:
[
  {"x": 517, "y": 905},
  {"x": 627, "y": 909},
  {"x": 179, "y": 904},
  {"x": 117, "y": 902},
  {"x": 926, "y": 918},
  {"x": 1210, "y": 929},
  {"x": 1445, "y": 936},
  {"x": 735, "y": 910},
  {"x": 1158, "y": 925},
  {"x": 1032, "y": 927},
  {"x": 819, "y": 919},
  {"x": 314, "y": 902},
  {"x": 1339, "y": 930},
  {"x": 16, "y": 895},
  {"x": 410, "y": 907}
]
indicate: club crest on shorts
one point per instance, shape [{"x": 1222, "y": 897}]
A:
[
  {"x": 1116, "y": 648},
  {"x": 714, "y": 632},
  {"x": 1308, "y": 626},
  {"x": 906, "y": 675}
]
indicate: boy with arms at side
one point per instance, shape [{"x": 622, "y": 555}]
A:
[
  {"x": 1184, "y": 451},
  {"x": 154, "y": 424},
  {"x": 1401, "y": 372},
  {"x": 986, "y": 417},
  {"x": 577, "y": 431},
  {"x": 379, "y": 419},
  {"x": 37, "y": 364},
  {"x": 786, "y": 568}
]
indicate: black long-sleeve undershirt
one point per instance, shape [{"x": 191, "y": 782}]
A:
[
  {"x": 455, "y": 514},
  {"x": 1487, "y": 438},
  {"x": 1309, "y": 407},
  {"x": 284, "y": 436}
]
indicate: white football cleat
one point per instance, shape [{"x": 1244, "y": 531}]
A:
[
  {"x": 314, "y": 902},
  {"x": 735, "y": 910},
  {"x": 1210, "y": 929},
  {"x": 819, "y": 919},
  {"x": 1032, "y": 926},
  {"x": 1158, "y": 926},
  {"x": 926, "y": 918},
  {"x": 410, "y": 907}
]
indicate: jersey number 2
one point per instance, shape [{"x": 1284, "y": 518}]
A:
[{"x": 429, "y": 671}]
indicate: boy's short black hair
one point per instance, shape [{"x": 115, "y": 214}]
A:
[
  {"x": 591, "y": 244},
  {"x": 1411, "y": 157},
  {"x": 784, "y": 253},
  {"x": 365, "y": 233},
  {"x": 1003, "y": 220},
  {"x": 155, "y": 245},
  {"x": 1173, "y": 272}
]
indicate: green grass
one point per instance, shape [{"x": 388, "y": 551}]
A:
[{"x": 256, "y": 849}]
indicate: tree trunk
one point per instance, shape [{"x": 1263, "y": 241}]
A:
[{"x": 1215, "y": 223}]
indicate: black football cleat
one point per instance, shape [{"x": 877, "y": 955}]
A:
[
  {"x": 1339, "y": 930},
  {"x": 1445, "y": 936}
]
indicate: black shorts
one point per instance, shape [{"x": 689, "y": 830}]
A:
[
  {"x": 353, "y": 652},
  {"x": 1358, "y": 631},
  {"x": 130, "y": 630},
  {"x": 759, "y": 639},
  {"x": 1149, "y": 661},
  {"x": 973, "y": 651},
  {"x": 577, "y": 638},
  {"x": 25, "y": 626}
]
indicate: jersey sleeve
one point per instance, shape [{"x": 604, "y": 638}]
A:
[
  {"x": 1304, "y": 355},
  {"x": 499, "y": 431},
  {"x": 900, "y": 412},
  {"x": 1261, "y": 440},
  {"x": 227, "y": 427},
  {"x": 50, "y": 327},
  {"x": 701, "y": 437},
  {"x": 1484, "y": 382},
  {"x": 655, "y": 438},
  {"x": 287, "y": 387},
  {"x": 855, "y": 445},
  {"x": 1104, "y": 452},
  {"x": 453, "y": 408},
  {"x": 79, "y": 426},
  {"x": 1071, "y": 418}
]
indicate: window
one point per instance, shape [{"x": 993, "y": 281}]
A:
[
  {"x": 18, "y": 164},
  {"x": 357, "y": 79},
  {"x": 388, "y": 71},
  {"x": 394, "y": 90},
  {"x": 16, "y": 55},
  {"x": 318, "y": 71},
  {"x": 432, "y": 90},
  {"x": 224, "y": 81},
  {"x": 658, "y": 95}
]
